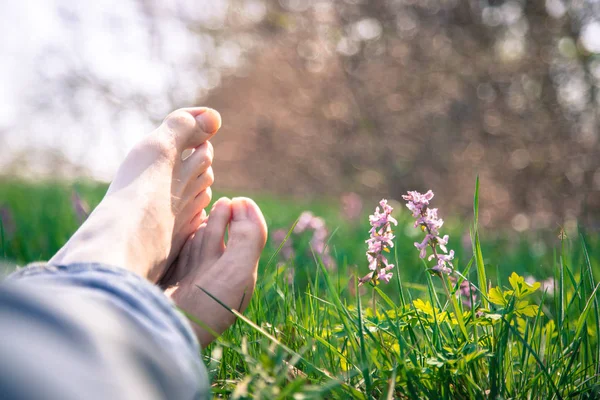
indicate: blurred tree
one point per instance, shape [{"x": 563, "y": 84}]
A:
[{"x": 382, "y": 96}]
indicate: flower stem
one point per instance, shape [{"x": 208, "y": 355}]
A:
[{"x": 374, "y": 304}]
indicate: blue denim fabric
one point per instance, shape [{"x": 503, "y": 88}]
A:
[{"x": 91, "y": 331}]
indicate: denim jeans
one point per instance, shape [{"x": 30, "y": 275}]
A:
[{"x": 92, "y": 331}]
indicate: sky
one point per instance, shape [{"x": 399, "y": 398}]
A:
[{"x": 90, "y": 79}]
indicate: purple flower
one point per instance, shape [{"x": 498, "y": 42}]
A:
[
  {"x": 417, "y": 201},
  {"x": 466, "y": 292},
  {"x": 423, "y": 245},
  {"x": 380, "y": 241},
  {"x": 375, "y": 246},
  {"x": 279, "y": 235},
  {"x": 368, "y": 277},
  {"x": 351, "y": 206},
  {"x": 287, "y": 251},
  {"x": 442, "y": 242},
  {"x": 385, "y": 276},
  {"x": 548, "y": 285},
  {"x": 430, "y": 220},
  {"x": 442, "y": 267},
  {"x": 317, "y": 224},
  {"x": 376, "y": 259},
  {"x": 303, "y": 222},
  {"x": 445, "y": 258},
  {"x": 427, "y": 219},
  {"x": 380, "y": 219},
  {"x": 318, "y": 242}
]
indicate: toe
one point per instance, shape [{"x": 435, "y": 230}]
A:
[
  {"x": 195, "y": 258},
  {"x": 218, "y": 219},
  {"x": 247, "y": 232},
  {"x": 187, "y": 259},
  {"x": 179, "y": 269},
  {"x": 198, "y": 219},
  {"x": 202, "y": 182},
  {"x": 190, "y": 127},
  {"x": 202, "y": 200},
  {"x": 194, "y": 208},
  {"x": 200, "y": 159}
]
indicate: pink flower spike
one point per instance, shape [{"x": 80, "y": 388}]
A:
[
  {"x": 303, "y": 222},
  {"x": 380, "y": 240},
  {"x": 530, "y": 279},
  {"x": 548, "y": 286},
  {"x": 427, "y": 219},
  {"x": 466, "y": 292},
  {"x": 317, "y": 223}
]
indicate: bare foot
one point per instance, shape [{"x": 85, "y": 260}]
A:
[
  {"x": 155, "y": 202},
  {"x": 226, "y": 272}
]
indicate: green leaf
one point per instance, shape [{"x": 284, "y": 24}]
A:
[
  {"x": 495, "y": 296},
  {"x": 523, "y": 307},
  {"x": 522, "y": 288}
]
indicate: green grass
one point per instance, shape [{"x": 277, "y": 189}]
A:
[{"x": 313, "y": 337}]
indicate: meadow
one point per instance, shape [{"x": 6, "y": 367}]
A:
[{"x": 526, "y": 328}]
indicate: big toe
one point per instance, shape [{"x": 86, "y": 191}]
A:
[
  {"x": 191, "y": 127},
  {"x": 247, "y": 234}
]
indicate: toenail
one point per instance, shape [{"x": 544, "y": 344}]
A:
[
  {"x": 186, "y": 154},
  {"x": 240, "y": 211},
  {"x": 218, "y": 203},
  {"x": 209, "y": 121}
]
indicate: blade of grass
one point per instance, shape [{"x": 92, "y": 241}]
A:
[
  {"x": 198, "y": 322},
  {"x": 287, "y": 236},
  {"x": 457, "y": 310},
  {"x": 266, "y": 334},
  {"x": 363, "y": 348},
  {"x": 385, "y": 297},
  {"x": 561, "y": 289},
  {"x": 392, "y": 383},
  {"x": 590, "y": 274},
  {"x": 327, "y": 345},
  {"x": 290, "y": 389},
  {"x": 584, "y": 314},
  {"x": 399, "y": 280},
  {"x": 543, "y": 368},
  {"x": 481, "y": 276},
  {"x": 2, "y": 238}
]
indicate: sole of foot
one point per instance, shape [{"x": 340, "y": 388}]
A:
[
  {"x": 155, "y": 201},
  {"x": 226, "y": 271}
]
